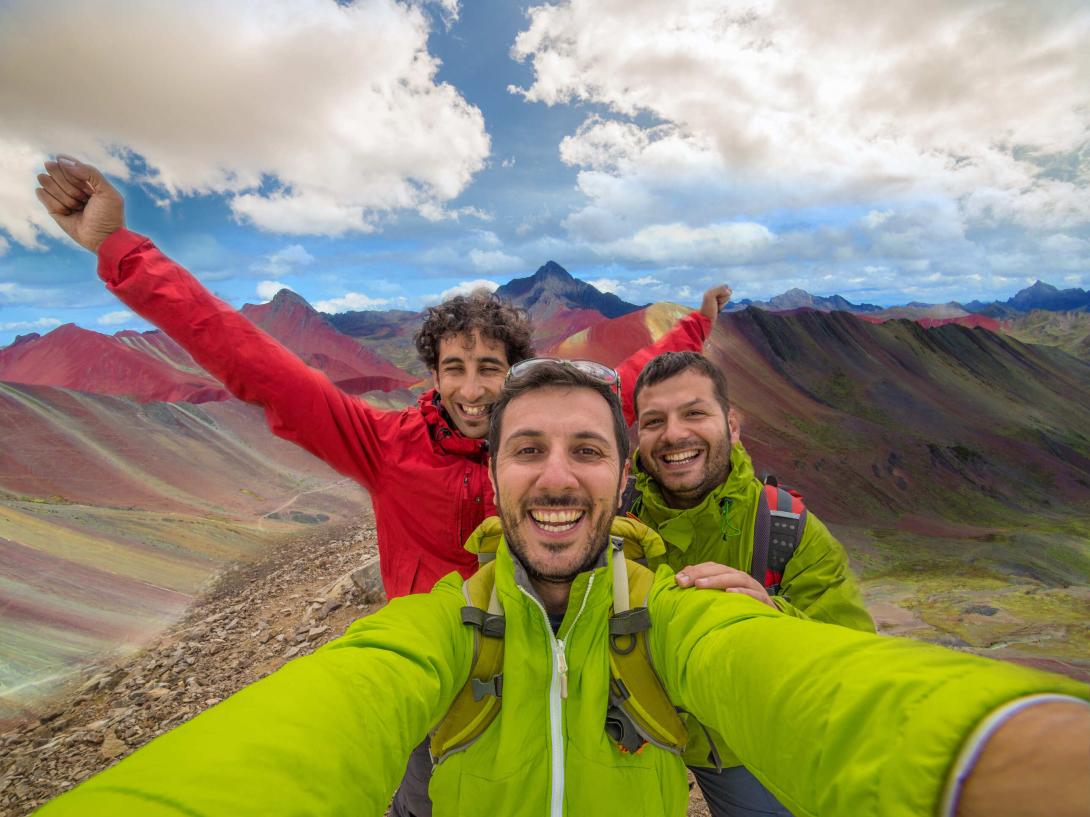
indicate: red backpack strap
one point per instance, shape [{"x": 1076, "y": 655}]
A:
[{"x": 781, "y": 517}]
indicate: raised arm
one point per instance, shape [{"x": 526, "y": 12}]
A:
[
  {"x": 301, "y": 404},
  {"x": 326, "y": 734},
  {"x": 688, "y": 336},
  {"x": 838, "y": 722}
]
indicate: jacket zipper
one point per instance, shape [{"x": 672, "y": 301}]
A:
[{"x": 558, "y": 690}]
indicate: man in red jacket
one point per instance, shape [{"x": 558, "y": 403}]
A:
[{"x": 424, "y": 467}]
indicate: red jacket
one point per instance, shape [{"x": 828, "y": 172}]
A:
[{"x": 428, "y": 483}]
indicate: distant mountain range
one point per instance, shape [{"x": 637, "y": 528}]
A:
[{"x": 1039, "y": 296}]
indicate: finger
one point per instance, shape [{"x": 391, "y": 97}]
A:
[
  {"x": 705, "y": 569},
  {"x": 85, "y": 177},
  {"x": 52, "y": 206},
  {"x": 50, "y": 185},
  {"x": 727, "y": 581},
  {"x": 67, "y": 184}
]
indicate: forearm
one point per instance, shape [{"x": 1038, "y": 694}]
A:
[
  {"x": 301, "y": 404},
  {"x": 326, "y": 734},
  {"x": 803, "y": 704}
]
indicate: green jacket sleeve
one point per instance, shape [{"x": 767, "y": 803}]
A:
[
  {"x": 818, "y": 584},
  {"x": 832, "y": 721},
  {"x": 326, "y": 734}
]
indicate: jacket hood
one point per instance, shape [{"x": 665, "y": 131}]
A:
[
  {"x": 678, "y": 526},
  {"x": 443, "y": 432}
]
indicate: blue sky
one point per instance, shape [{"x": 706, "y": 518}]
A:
[{"x": 381, "y": 154}]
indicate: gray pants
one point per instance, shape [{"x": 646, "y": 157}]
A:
[{"x": 734, "y": 792}]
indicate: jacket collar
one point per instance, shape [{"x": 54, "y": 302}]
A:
[
  {"x": 444, "y": 433},
  {"x": 678, "y": 526}
]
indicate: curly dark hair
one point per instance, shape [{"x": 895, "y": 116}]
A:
[{"x": 492, "y": 317}]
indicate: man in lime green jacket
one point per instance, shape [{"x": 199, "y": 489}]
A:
[
  {"x": 833, "y": 721},
  {"x": 700, "y": 494}
]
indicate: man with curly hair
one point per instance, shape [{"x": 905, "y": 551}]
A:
[{"x": 425, "y": 467}]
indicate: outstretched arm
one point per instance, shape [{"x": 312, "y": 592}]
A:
[
  {"x": 301, "y": 404},
  {"x": 838, "y": 722},
  {"x": 688, "y": 336},
  {"x": 325, "y": 734}
]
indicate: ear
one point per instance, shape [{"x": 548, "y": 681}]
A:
[
  {"x": 434, "y": 378},
  {"x": 734, "y": 425},
  {"x": 492, "y": 481}
]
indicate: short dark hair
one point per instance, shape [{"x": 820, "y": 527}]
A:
[
  {"x": 552, "y": 373},
  {"x": 670, "y": 364},
  {"x": 492, "y": 317}
]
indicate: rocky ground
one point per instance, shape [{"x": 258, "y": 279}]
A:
[{"x": 254, "y": 619}]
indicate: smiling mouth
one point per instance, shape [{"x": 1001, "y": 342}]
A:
[
  {"x": 474, "y": 412},
  {"x": 556, "y": 521},
  {"x": 681, "y": 457}
]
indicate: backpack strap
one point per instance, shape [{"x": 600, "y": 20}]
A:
[
  {"x": 478, "y": 702},
  {"x": 777, "y": 531},
  {"x": 640, "y": 711}
]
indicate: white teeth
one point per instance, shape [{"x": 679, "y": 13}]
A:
[
  {"x": 681, "y": 456},
  {"x": 473, "y": 411},
  {"x": 556, "y": 521}
]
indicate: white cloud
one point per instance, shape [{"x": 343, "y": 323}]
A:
[
  {"x": 605, "y": 284},
  {"x": 351, "y": 301},
  {"x": 115, "y": 318},
  {"x": 267, "y": 290},
  {"x": 34, "y": 296},
  {"x": 4, "y": 245},
  {"x": 467, "y": 287},
  {"x": 285, "y": 261},
  {"x": 32, "y": 326},
  {"x": 495, "y": 261},
  {"x": 309, "y": 116},
  {"x": 788, "y": 103}
]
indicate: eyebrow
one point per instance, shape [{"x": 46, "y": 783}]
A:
[
  {"x": 459, "y": 359},
  {"x": 537, "y": 433},
  {"x": 685, "y": 405}
]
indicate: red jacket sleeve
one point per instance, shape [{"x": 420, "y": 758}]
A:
[
  {"x": 301, "y": 404},
  {"x": 688, "y": 336}
]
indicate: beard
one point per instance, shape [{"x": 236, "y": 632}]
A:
[
  {"x": 582, "y": 555},
  {"x": 689, "y": 490}
]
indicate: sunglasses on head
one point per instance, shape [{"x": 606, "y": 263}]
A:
[{"x": 597, "y": 371}]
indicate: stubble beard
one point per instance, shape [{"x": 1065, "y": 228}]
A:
[
  {"x": 601, "y": 520},
  {"x": 716, "y": 471}
]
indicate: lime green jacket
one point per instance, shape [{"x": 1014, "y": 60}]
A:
[
  {"x": 817, "y": 582},
  {"x": 833, "y": 721}
]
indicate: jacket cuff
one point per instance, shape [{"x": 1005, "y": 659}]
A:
[{"x": 113, "y": 250}]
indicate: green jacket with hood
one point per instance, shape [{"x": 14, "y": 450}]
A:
[
  {"x": 817, "y": 582},
  {"x": 833, "y": 721}
]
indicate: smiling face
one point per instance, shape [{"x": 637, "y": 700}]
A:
[
  {"x": 684, "y": 438},
  {"x": 469, "y": 378},
  {"x": 558, "y": 477}
]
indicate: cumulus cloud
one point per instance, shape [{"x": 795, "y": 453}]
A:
[
  {"x": 30, "y": 326},
  {"x": 285, "y": 261},
  {"x": 309, "y": 116},
  {"x": 267, "y": 290},
  {"x": 115, "y": 318},
  {"x": 351, "y": 302},
  {"x": 980, "y": 109},
  {"x": 605, "y": 284},
  {"x": 467, "y": 287},
  {"x": 4, "y": 245},
  {"x": 16, "y": 294}
]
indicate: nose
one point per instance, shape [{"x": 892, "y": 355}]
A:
[
  {"x": 472, "y": 389},
  {"x": 556, "y": 473},
  {"x": 673, "y": 429}
]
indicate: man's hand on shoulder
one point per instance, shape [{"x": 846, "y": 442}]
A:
[
  {"x": 714, "y": 300},
  {"x": 714, "y": 576},
  {"x": 81, "y": 201}
]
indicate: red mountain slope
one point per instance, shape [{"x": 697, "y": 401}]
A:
[{"x": 149, "y": 366}]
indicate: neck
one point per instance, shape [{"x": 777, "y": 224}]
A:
[{"x": 554, "y": 595}]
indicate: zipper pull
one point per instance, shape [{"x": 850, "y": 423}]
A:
[{"x": 562, "y": 669}]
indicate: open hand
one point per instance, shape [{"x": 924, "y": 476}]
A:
[
  {"x": 714, "y": 300},
  {"x": 714, "y": 576},
  {"x": 81, "y": 201}
]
